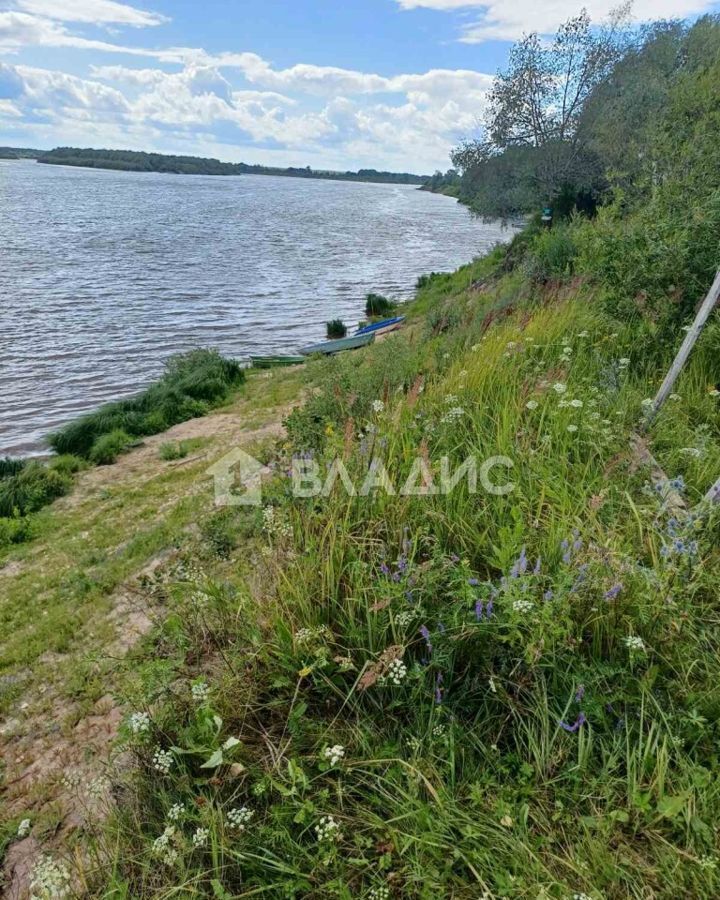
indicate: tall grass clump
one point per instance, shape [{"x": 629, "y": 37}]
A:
[
  {"x": 34, "y": 486},
  {"x": 192, "y": 384},
  {"x": 377, "y": 305}
]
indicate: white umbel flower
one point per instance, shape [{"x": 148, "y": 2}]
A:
[
  {"x": 327, "y": 829},
  {"x": 334, "y": 754}
]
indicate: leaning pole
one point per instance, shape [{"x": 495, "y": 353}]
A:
[{"x": 703, "y": 314}]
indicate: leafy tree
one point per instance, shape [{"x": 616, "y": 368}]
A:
[{"x": 534, "y": 111}]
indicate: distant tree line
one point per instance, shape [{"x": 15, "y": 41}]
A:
[
  {"x": 19, "y": 153},
  {"x": 138, "y": 161}
]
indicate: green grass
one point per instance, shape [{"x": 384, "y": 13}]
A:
[
  {"x": 193, "y": 383},
  {"x": 460, "y": 780}
]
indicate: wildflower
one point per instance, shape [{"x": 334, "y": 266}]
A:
[
  {"x": 200, "y": 692},
  {"x": 548, "y": 595},
  {"x": 403, "y": 619},
  {"x": 451, "y": 399},
  {"x": 613, "y": 592},
  {"x": 162, "y": 846},
  {"x": 139, "y": 723},
  {"x": 567, "y": 350},
  {"x": 439, "y": 730},
  {"x": 478, "y": 610},
  {"x": 577, "y": 724},
  {"x": 438, "y": 688},
  {"x": 452, "y": 415},
  {"x": 489, "y": 609},
  {"x": 426, "y": 637},
  {"x": 714, "y": 392},
  {"x": 576, "y": 404},
  {"x": 511, "y": 344},
  {"x": 162, "y": 761},
  {"x": 582, "y": 896},
  {"x": 200, "y": 837},
  {"x": 24, "y": 828},
  {"x": 532, "y": 404},
  {"x": 559, "y": 387},
  {"x": 572, "y": 429},
  {"x": 274, "y": 524},
  {"x": 692, "y": 451},
  {"x": 624, "y": 362},
  {"x": 176, "y": 812},
  {"x": 327, "y": 829},
  {"x": 396, "y": 673},
  {"x": 522, "y": 606},
  {"x": 580, "y": 693},
  {"x": 378, "y": 406},
  {"x": 50, "y": 880},
  {"x": 334, "y": 754},
  {"x": 634, "y": 643},
  {"x": 647, "y": 403},
  {"x": 240, "y": 817},
  {"x": 678, "y": 483},
  {"x": 379, "y": 893}
]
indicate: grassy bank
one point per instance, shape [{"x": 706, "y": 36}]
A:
[
  {"x": 453, "y": 695},
  {"x": 193, "y": 384}
]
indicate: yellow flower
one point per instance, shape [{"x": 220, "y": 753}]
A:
[{"x": 303, "y": 673}]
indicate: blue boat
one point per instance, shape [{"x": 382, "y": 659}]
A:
[{"x": 382, "y": 327}]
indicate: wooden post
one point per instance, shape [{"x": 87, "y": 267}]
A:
[{"x": 703, "y": 314}]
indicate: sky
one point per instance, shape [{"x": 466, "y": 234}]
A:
[{"x": 333, "y": 84}]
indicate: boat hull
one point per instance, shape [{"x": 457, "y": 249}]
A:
[{"x": 330, "y": 347}]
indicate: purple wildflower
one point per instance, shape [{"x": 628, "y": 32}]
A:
[
  {"x": 473, "y": 582},
  {"x": 478, "y": 610},
  {"x": 538, "y": 564},
  {"x": 426, "y": 637},
  {"x": 613, "y": 592},
  {"x": 577, "y": 724},
  {"x": 579, "y": 693},
  {"x": 454, "y": 558},
  {"x": 489, "y": 610},
  {"x": 438, "y": 688},
  {"x": 548, "y": 595},
  {"x": 384, "y": 568}
]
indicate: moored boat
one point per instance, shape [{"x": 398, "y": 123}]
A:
[
  {"x": 348, "y": 343},
  {"x": 273, "y": 362},
  {"x": 382, "y": 327}
]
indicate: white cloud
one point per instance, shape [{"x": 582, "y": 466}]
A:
[
  {"x": 96, "y": 12},
  {"x": 500, "y": 20}
]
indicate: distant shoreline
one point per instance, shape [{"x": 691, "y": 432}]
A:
[{"x": 138, "y": 161}]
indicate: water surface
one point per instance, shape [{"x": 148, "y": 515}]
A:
[{"x": 103, "y": 274}]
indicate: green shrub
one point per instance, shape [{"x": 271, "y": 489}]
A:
[
  {"x": 377, "y": 305},
  {"x": 336, "y": 328},
  {"x": 192, "y": 383},
  {"x": 552, "y": 254},
  {"x": 32, "y": 488},
  {"x": 14, "y": 531},
  {"x": 108, "y": 447},
  {"x": 173, "y": 450}
]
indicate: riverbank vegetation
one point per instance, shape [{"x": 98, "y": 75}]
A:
[
  {"x": 192, "y": 384},
  {"x": 468, "y": 693}
]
